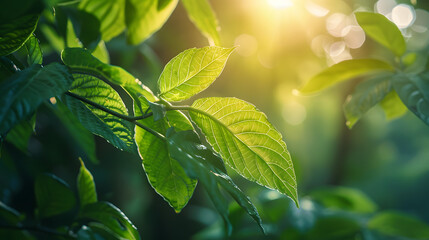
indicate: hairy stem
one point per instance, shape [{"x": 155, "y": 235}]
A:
[{"x": 131, "y": 119}]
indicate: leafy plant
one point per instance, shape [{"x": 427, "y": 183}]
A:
[
  {"x": 394, "y": 85},
  {"x": 85, "y": 92}
]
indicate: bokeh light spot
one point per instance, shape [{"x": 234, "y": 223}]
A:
[
  {"x": 385, "y": 7},
  {"x": 403, "y": 15},
  {"x": 246, "y": 45},
  {"x": 316, "y": 10}
]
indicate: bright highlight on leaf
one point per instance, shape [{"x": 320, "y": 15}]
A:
[
  {"x": 245, "y": 139},
  {"x": 382, "y": 30},
  {"x": 191, "y": 72},
  {"x": 86, "y": 186},
  {"x": 344, "y": 71}
]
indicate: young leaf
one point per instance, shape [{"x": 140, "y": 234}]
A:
[
  {"x": 245, "y": 139},
  {"x": 202, "y": 15},
  {"x": 81, "y": 61},
  {"x": 143, "y": 18},
  {"x": 113, "y": 219},
  {"x": 24, "y": 91},
  {"x": 85, "y": 186},
  {"x": 15, "y": 33},
  {"x": 347, "y": 199},
  {"x": 79, "y": 134},
  {"x": 382, "y": 30},
  {"x": 413, "y": 90},
  {"x": 186, "y": 148},
  {"x": 165, "y": 174},
  {"x": 399, "y": 225},
  {"x": 53, "y": 196},
  {"x": 366, "y": 96},
  {"x": 111, "y": 15},
  {"x": 393, "y": 106},
  {"x": 343, "y": 71},
  {"x": 115, "y": 130},
  {"x": 191, "y": 72},
  {"x": 34, "y": 52}
]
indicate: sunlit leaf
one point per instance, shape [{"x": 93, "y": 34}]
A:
[
  {"x": 24, "y": 91},
  {"x": 344, "y": 71},
  {"x": 382, "y": 30},
  {"x": 14, "y": 34},
  {"x": 165, "y": 174},
  {"x": 399, "y": 225},
  {"x": 85, "y": 186},
  {"x": 34, "y": 52},
  {"x": 186, "y": 148},
  {"x": 191, "y": 72},
  {"x": 366, "y": 96},
  {"x": 413, "y": 90},
  {"x": 111, "y": 15},
  {"x": 113, "y": 219},
  {"x": 115, "y": 130},
  {"x": 53, "y": 196},
  {"x": 342, "y": 198},
  {"x": 245, "y": 139},
  {"x": 202, "y": 15},
  {"x": 143, "y": 18},
  {"x": 393, "y": 106}
]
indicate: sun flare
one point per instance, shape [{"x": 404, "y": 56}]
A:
[{"x": 279, "y": 4}]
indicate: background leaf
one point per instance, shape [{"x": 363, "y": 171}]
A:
[
  {"x": 365, "y": 96},
  {"x": 23, "y": 92},
  {"x": 382, "y": 30},
  {"x": 399, "y": 224},
  {"x": 85, "y": 186},
  {"x": 113, "y": 219},
  {"x": 143, "y": 18},
  {"x": 35, "y": 55},
  {"x": 343, "y": 71},
  {"x": 20, "y": 134},
  {"x": 53, "y": 196},
  {"x": 164, "y": 173},
  {"x": 202, "y": 15},
  {"x": 111, "y": 15},
  {"x": 191, "y": 72},
  {"x": 15, "y": 33},
  {"x": 245, "y": 139}
]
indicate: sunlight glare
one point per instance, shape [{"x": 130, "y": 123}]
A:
[
  {"x": 316, "y": 10},
  {"x": 280, "y": 4},
  {"x": 246, "y": 45},
  {"x": 403, "y": 15}
]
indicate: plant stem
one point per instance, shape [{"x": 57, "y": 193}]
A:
[
  {"x": 38, "y": 229},
  {"x": 131, "y": 119}
]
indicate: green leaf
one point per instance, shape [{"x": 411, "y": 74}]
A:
[
  {"x": 21, "y": 133},
  {"x": 9, "y": 214},
  {"x": 115, "y": 130},
  {"x": 165, "y": 174},
  {"x": 393, "y": 106},
  {"x": 53, "y": 196},
  {"x": 7, "y": 68},
  {"x": 35, "y": 55},
  {"x": 202, "y": 15},
  {"x": 15, "y": 33},
  {"x": 143, "y": 18},
  {"x": 191, "y": 72},
  {"x": 413, "y": 90},
  {"x": 86, "y": 233},
  {"x": 366, "y": 96},
  {"x": 343, "y": 71},
  {"x": 158, "y": 111},
  {"x": 334, "y": 228},
  {"x": 24, "y": 91},
  {"x": 112, "y": 218},
  {"x": 342, "y": 198},
  {"x": 382, "y": 30},
  {"x": 81, "y": 61},
  {"x": 85, "y": 186},
  {"x": 110, "y": 14},
  {"x": 399, "y": 225},
  {"x": 248, "y": 143},
  {"x": 79, "y": 134},
  {"x": 196, "y": 159}
]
